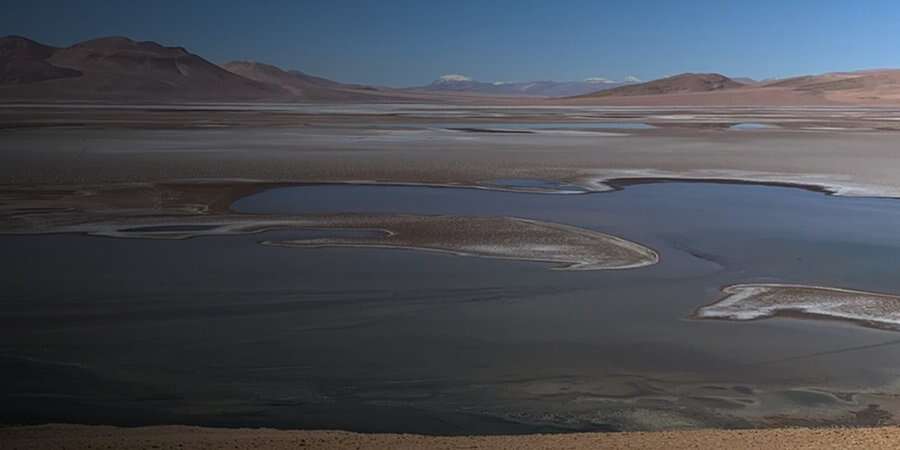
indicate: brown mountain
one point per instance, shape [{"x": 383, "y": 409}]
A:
[
  {"x": 678, "y": 84},
  {"x": 295, "y": 81},
  {"x": 118, "y": 68},
  {"x": 871, "y": 87},
  {"x": 25, "y": 61},
  {"x": 868, "y": 86},
  {"x": 303, "y": 86}
]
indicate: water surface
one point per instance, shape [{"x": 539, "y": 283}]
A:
[{"x": 224, "y": 331}]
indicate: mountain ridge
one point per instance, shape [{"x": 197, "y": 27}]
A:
[
  {"x": 676, "y": 84},
  {"x": 120, "y": 69},
  {"x": 123, "y": 69}
]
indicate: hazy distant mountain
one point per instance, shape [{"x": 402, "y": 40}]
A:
[
  {"x": 118, "y": 68},
  {"x": 747, "y": 81},
  {"x": 462, "y": 83},
  {"x": 305, "y": 87}
]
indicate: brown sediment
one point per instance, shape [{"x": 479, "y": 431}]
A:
[
  {"x": 622, "y": 183},
  {"x": 743, "y": 302},
  {"x": 185, "y": 210},
  {"x": 504, "y": 237},
  {"x": 65, "y": 437},
  {"x": 616, "y": 179}
]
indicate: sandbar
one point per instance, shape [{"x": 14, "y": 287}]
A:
[
  {"x": 744, "y": 302},
  {"x": 140, "y": 211}
]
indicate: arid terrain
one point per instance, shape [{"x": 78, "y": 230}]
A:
[
  {"x": 65, "y": 437},
  {"x": 119, "y": 69},
  {"x": 846, "y": 150},
  {"x": 335, "y": 241}
]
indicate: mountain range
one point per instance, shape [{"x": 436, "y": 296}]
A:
[
  {"x": 461, "y": 83},
  {"x": 119, "y": 69},
  {"x": 868, "y": 87},
  {"x": 684, "y": 83}
]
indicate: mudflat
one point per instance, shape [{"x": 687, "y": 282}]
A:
[
  {"x": 751, "y": 302},
  {"x": 850, "y": 150}
]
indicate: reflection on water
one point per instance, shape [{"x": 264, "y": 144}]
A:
[
  {"x": 752, "y": 126},
  {"x": 168, "y": 228},
  {"x": 532, "y": 126},
  {"x": 553, "y": 187},
  {"x": 223, "y": 331}
]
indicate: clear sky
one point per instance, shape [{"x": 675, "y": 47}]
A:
[{"x": 411, "y": 42}]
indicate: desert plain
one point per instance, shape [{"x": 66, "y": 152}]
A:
[{"x": 197, "y": 172}]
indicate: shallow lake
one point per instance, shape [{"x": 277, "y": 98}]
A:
[{"x": 224, "y": 331}]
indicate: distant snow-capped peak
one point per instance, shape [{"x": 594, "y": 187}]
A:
[
  {"x": 632, "y": 79},
  {"x": 598, "y": 80},
  {"x": 453, "y": 78}
]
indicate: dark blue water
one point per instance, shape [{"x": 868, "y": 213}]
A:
[
  {"x": 753, "y": 126},
  {"x": 224, "y": 331},
  {"x": 526, "y": 126},
  {"x": 768, "y": 232}
]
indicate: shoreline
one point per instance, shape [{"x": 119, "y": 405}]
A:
[
  {"x": 612, "y": 181},
  {"x": 203, "y": 209},
  {"x": 760, "y": 301},
  {"x": 111, "y": 210}
]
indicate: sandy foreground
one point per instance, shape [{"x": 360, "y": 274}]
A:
[{"x": 175, "y": 437}]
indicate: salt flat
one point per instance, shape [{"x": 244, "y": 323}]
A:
[{"x": 363, "y": 143}]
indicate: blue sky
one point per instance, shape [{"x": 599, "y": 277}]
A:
[{"x": 402, "y": 42}]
